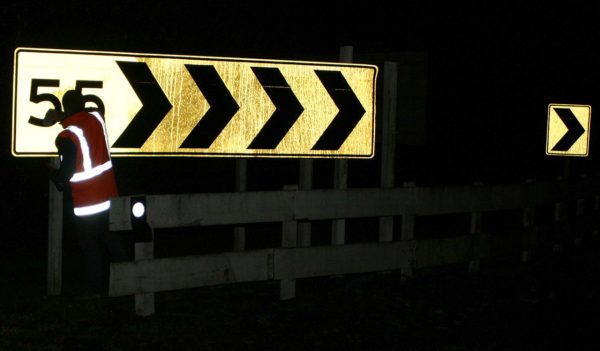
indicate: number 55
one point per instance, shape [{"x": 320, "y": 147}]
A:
[{"x": 36, "y": 97}]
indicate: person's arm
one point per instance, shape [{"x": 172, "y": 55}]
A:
[{"x": 67, "y": 151}]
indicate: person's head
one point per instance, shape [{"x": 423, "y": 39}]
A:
[{"x": 72, "y": 102}]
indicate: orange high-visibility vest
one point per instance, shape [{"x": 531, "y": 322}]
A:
[{"x": 93, "y": 183}]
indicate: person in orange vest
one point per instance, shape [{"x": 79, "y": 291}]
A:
[{"x": 86, "y": 172}]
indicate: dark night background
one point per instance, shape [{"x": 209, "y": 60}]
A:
[{"x": 493, "y": 68}]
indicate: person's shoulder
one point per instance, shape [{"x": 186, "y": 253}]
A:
[
  {"x": 63, "y": 134},
  {"x": 63, "y": 139}
]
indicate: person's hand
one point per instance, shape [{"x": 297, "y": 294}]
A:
[{"x": 52, "y": 116}]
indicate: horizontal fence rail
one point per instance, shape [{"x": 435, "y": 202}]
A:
[
  {"x": 165, "y": 274},
  {"x": 171, "y": 211},
  {"x": 148, "y": 275}
]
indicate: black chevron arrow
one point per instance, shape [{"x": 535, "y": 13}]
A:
[
  {"x": 222, "y": 106},
  {"x": 575, "y": 129},
  {"x": 287, "y": 108},
  {"x": 155, "y": 104},
  {"x": 350, "y": 110}
]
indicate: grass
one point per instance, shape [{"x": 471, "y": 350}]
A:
[{"x": 548, "y": 303}]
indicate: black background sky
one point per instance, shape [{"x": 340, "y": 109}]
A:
[{"x": 493, "y": 66}]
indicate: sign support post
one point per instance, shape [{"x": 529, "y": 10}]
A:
[
  {"x": 239, "y": 232},
  {"x": 55, "y": 237},
  {"x": 340, "y": 180},
  {"x": 388, "y": 142}
]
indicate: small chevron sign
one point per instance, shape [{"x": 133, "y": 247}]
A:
[
  {"x": 568, "y": 130},
  {"x": 174, "y": 105}
]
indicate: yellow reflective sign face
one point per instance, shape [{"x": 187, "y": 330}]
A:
[
  {"x": 159, "y": 105},
  {"x": 568, "y": 130}
]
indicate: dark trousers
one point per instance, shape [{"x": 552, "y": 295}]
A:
[{"x": 99, "y": 247}]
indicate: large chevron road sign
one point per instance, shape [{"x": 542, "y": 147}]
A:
[{"x": 165, "y": 105}]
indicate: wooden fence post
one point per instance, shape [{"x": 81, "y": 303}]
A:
[
  {"x": 388, "y": 142},
  {"x": 559, "y": 217},
  {"x": 476, "y": 228},
  {"x": 144, "y": 303},
  {"x": 289, "y": 239},
  {"x": 55, "y": 236},
  {"x": 596, "y": 231},
  {"x": 528, "y": 223},
  {"x": 340, "y": 180},
  {"x": 579, "y": 213},
  {"x": 305, "y": 183},
  {"x": 239, "y": 232},
  {"x": 408, "y": 234}
]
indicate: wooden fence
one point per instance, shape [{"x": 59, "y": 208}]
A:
[{"x": 578, "y": 200}]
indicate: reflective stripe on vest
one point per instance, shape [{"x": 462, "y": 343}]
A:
[
  {"x": 101, "y": 121},
  {"x": 88, "y": 172},
  {"x": 92, "y": 209}
]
